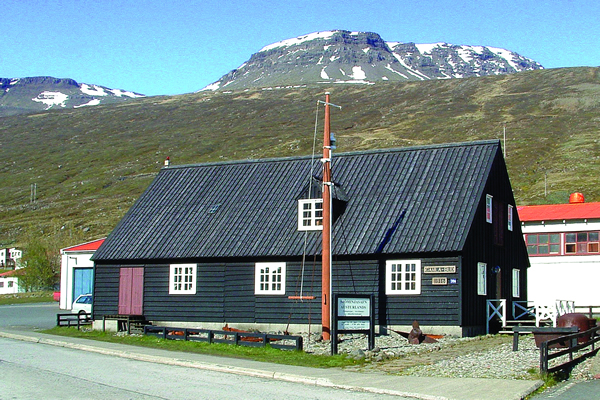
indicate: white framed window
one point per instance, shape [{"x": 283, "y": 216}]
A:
[
  {"x": 510, "y": 218},
  {"x": 310, "y": 214},
  {"x": 488, "y": 208},
  {"x": 182, "y": 279},
  {"x": 269, "y": 278},
  {"x": 516, "y": 282},
  {"x": 403, "y": 277},
  {"x": 482, "y": 279}
]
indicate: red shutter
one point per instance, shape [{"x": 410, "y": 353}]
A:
[
  {"x": 125, "y": 278},
  {"x": 131, "y": 291},
  {"x": 137, "y": 291}
]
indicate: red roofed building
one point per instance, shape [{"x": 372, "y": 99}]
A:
[
  {"x": 77, "y": 272},
  {"x": 9, "y": 282},
  {"x": 564, "y": 252}
]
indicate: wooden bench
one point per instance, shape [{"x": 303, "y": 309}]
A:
[{"x": 517, "y": 330}]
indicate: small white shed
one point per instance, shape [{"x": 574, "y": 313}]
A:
[{"x": 76, "y": 272}]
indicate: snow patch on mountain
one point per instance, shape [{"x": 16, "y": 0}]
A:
[
  {"x": 299, "y": 40},
  {"x": 93, "y": 90},
  {"x": 93, "y": 102},
  {"x": 358, "y": 73},
  {"x": 51, "y": 99}
]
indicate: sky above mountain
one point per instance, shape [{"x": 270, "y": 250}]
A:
[{"x": 180, "y": 46}]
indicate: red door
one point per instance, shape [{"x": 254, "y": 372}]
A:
[{"x": 131, "y": 291}]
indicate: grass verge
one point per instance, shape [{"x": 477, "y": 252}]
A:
[
  {"x": 550, "y": 380},
  {"x": 21, "y": 298},
  {"x": 265, "y": 354}
]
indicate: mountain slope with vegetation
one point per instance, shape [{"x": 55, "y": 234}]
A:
[
  {"x": 40, "y": 93},
  {"x": 77, "y": 171},
  {"x": 345, "y": 57}
]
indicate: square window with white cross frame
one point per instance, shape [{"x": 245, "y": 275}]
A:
[
  {"x": 403, "y": 277},
  {"x": 269, "y": 278},
  {"x": 310, "y": 214},
  {"x": 182, "y": 279}
]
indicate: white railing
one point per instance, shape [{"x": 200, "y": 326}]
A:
[
  {"x": 545, "y": 313},
  {"x": 496, "y": 308},
  {"x": 551, "y": 312},
  {"x": 565, "y": 307}
]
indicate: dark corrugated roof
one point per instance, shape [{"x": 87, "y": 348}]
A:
[{"x": 249, "y": 208}]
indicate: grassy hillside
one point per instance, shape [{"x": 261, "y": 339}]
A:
[{"x": 91, "y": 164}]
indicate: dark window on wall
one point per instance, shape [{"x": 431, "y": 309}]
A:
[
  {"x": 543, "y": 243},
  {"x": 581, "y": 243}
]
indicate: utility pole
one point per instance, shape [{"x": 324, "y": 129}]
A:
[
  {"x": 326, "y": 245},
  {"x": 504, "y": 146}
]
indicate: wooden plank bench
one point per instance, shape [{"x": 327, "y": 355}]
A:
[{"x": 517, "y": 330}]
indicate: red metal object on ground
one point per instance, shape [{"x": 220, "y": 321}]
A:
[{"x": 579, "y": 320}]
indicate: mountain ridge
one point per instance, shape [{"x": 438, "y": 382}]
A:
[
  {"x": 42, "y": 93},
  {"x": 364, "y": 57}
]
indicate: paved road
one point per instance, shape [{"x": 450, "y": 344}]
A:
[
  {"x": 29, "y": 316},
  {"x": 588, "y": 390},
  {"x": 48, "y": 369},
  {"x": 37, "y": 371}
]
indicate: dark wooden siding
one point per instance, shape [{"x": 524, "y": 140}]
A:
[
  {"x": 436, "y": 305},
  {"x": 106, "y": 290},
  {"x": 482, "y": 246},
  {"x": 239, "y": 299},
  {"x": 357, "y": 277},
  {"x": 206, "y": 305}
]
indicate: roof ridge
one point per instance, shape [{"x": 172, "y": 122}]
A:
[{"x": 344, "y": 154}]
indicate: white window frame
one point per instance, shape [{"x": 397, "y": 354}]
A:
[
  {"x": 510, "y": 218},
  {"x": 397, "y": 277},
  {"x": 516, "y": 282},
  {"x": 269, "y": 278},
  {"x": 481, "y": 279},
  {"x": 489, "y": 208},
  {"x": 182, "y": 278},
  {"x": 307, "y": 219}
]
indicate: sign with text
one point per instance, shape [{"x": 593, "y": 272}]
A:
[
  {"x": 353, "y": 313},
  {"x": 439, "y": 269},
  {"x": 439, "y": 281},
  {"x": 353, "y": 325},
  {"x": 353, "y": 307}
]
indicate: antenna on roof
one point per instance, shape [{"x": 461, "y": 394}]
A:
[{"x": 504, "y": 144}]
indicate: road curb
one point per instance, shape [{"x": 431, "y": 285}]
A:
[{"x": 333, "y": 381}]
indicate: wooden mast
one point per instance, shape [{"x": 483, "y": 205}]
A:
[{"x": 326, "y": 247}]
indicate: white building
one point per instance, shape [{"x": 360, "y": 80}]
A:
[
  {"x": 76, "y": 272},
  {"x": 563, "y": 245},
  {"x": 9, "y": 283},
  {"x": 10, "y": 258}
]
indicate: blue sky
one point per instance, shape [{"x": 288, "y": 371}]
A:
[{"x": 176, "y": 46}]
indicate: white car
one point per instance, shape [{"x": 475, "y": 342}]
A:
[{"x": 82, "y": 304}]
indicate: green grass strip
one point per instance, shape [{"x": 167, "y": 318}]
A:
[{"x": 265, "y": 354}]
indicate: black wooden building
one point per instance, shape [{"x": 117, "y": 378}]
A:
[{"x": 432, "y": 232}]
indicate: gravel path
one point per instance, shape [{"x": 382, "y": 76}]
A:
[{"x": 488, "y": 356}]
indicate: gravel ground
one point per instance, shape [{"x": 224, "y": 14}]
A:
[{"x": 488, "y": 356}]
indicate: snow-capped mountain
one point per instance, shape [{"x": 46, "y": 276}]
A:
[
  {"x": 26, "y": 95},
  {"x": 364, "y": 57}
]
